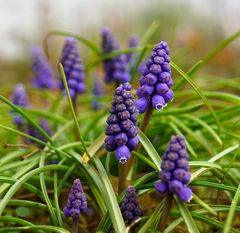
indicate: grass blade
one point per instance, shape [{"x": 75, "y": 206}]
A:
[
  {"x": 192, "y": 228},
  {"x": 231, "y": 212}
]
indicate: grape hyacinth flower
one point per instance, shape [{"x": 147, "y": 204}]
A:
[
  {"x": 156, "y": 81},
  {"x": 130, "y": 208},
  {"x": 115, "y": 68},
  {"x": 44, "y": 77},
  {"x": 77, "y": 202},
  {"x": 175, "y": 174},
  {"x": 132, "y": 43},
  {"x": 132, "y": 57},
  {"x": 19, "y": 98},
  {"x": 121, "y": 124},
  {"x": 97, "y": 92},
  {"x": 73, "y": 69},
  {"x": 35, "y": 133}
]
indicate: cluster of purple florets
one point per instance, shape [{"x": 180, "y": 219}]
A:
[
  {"x": 77, "y": 202},
  {"x": 97, "y": 92},
  {"x": 130, "y": 208},
  {"x": 19, "y": 98},
  {"x": 156, "y": 80},
  {"x": 121, "y": 124},
  {"x": 73, "y": 68},
  {"x": 175, "y": 174},
  {"x": 35, "y": 133},
  {"x": 115, "y": 68},
  {"x": 44, "y": 77}
]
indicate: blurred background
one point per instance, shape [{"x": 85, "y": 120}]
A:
[{"x": 192, "y": 28}]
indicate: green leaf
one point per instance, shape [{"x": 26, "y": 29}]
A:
[
  {"x": 231, "y": 212},
  {"x": 152, "y": 219},
  {"x": 198, "y": 91},
  {"x": 150, "y": 149},
  {"x": 212, "y": 160},
  {"x": 192, "y": 228},
  {"x": 110, "y": 199},
  {"x": 85, "y": 41}
]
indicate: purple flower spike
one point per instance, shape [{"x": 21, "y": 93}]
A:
[
  {"x": 130, "y": 208},
  {"x": 175, "y": 174},
  {"x": 19, "y": 98},
  {"x": 121, "y": 124},
  {"x": 157, "y": 75},
  {"x": 97, "y": 92},
  {"x": 44, "y": 77},
  {"x": 73, "y": 68},
  {"x": 35, "y": 133},
  {"x": 115, "y": 68},
  {"x": 77, "y": 202}
]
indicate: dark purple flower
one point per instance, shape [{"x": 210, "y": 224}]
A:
[
  {"x": 97, "y": 92},
  {"x": 132, "y": 43},
  {"x": 121, "y": 124},
  {"x": 115, "y": 68},
  {"x": 175, "y": 174},
  {"x": 19, "y": 98},
  {"x": 44, "y": 77},
  {"x": 156, "y": 81},
  {"x": 73, "y": 68},
  {"x": 77, "y": 202},
  {"x": 130, "y": 208}
]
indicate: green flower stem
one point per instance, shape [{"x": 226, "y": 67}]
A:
[
  {"x": 122, "y": 175},
  {"x": 143, "y": 128},
  {"x": 165, "y": 212},
  {"x": 74, "y": 103},
  {"x": 75, "y": 225}
]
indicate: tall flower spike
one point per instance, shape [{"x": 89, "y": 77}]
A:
[
  {"x": 156, "y": 80},
  {"x": 44, "y": 77},
  {"x": 73, "y": 68},
  {"x": 130, "y": 208},
  {"x": 77, "y": 202},
  {"x": 19, "y": 98},
  {"x": 115, "y": 68},
  {"x": 175, "y": 174},
  {"x": 121, "y": 124},
  {"x": 97, "y": 92}
]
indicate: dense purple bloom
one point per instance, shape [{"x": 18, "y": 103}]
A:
[
  {"x": 132, "y": 43},
  {"x": 35, "y": 133},
  {"x": 115, "y": 68},
  {"x": 156, "y": 80},
  {"x": 19, "y": 98},
  {"x": 73, "y": 68},
  {"x": 44, "y": 77},
  {"x": 175, "y": 174},
  {"x": 130, "y": 207},
  {"x": 97, "y": 92},
  {"x": 77, "y": 202},
  {"x": 121, "y": 124}
]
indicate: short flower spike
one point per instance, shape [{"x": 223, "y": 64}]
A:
[
  {"x": 130, "y": 208},
  {"x": 44, "y": 77},
  {"x": 77, "y": 202},
  {"x": 115, "y": 68},
  {"x": 19, "y": 98},
  {"x": 156, "y": 81},
  {"x": 121, "y": 124},
  {"x": 73, "y": 68},
  {"x": 175, "y": 174}
]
